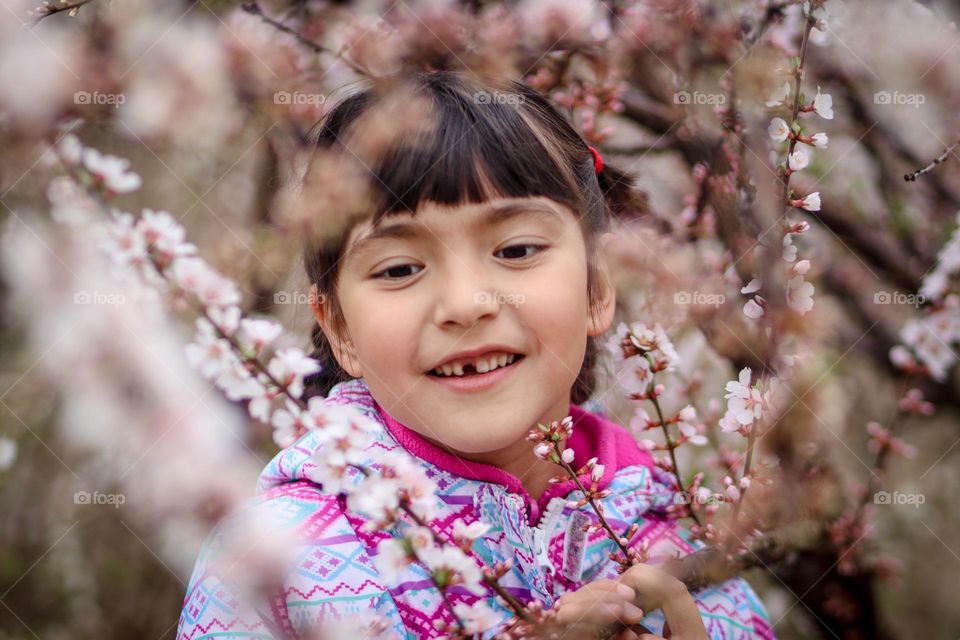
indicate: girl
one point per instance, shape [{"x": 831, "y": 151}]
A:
[{"x": 435, "y": 322}]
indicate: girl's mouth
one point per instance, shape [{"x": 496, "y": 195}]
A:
[{"x": 472, "y": 380}]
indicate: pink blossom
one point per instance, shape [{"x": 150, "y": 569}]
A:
[
  {"x": 111, "y": 171},
  {"x": 543, "y": 450},
  {"x": 162, "y": 231}
]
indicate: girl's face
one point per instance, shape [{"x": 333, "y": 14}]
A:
[{"x": 508, "y": 276}]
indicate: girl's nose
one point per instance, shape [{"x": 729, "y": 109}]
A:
[{"x": 466, "y": 301}]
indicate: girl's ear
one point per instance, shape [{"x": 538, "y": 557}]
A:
[
  {"x": 602, "y": 309},
  {"x": 343, "y": 349}
]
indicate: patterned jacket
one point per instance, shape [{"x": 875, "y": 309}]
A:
[{"x": 334, "y": 576}]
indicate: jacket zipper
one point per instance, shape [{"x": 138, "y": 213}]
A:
[{"x": 542, "y": 531}]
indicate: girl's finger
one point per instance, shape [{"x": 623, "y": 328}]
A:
[{"x": 601, "y": 613}]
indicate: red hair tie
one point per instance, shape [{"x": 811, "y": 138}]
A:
[{"x": 597, "y": 160}]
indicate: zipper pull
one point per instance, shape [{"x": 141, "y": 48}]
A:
[{"x": 542, "y": 550}]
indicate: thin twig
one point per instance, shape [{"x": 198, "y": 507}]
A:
[
  {"x": 912, "y": 177},
  {"x": 254, "y": 8}
]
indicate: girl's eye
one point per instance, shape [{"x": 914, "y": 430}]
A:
[
  {"x": 396, "y": 273},
  {"x": 516, "y": 251}
]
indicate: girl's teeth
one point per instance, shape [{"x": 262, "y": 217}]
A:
[{"x": 481, "y": 366}]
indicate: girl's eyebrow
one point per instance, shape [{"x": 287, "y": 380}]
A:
[{"x": 489, "y": 216}]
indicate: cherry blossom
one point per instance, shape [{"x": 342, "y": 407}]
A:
[
  {"x": 800, "y": 294},
  {"x": 111, "y": 171},
  {"x": 779, "y": 96},
  {"x": 477, "y": 617},
  {"x": 392, "y": 559},
  {"x": 779, "y": 130},
  {"x": 823, "y": 105},
  {"x": 799, "y": 159},
  {"x": 211, "y": 355},
  {"x": 810, "y": 202},
  {"x": 819, "y": 140},
  {"x": 211, "y": 288},
  {"x": 745, "y": 402},
  {"x": 752, "y": 309}
]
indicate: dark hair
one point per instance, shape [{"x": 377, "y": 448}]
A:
[{"x": 481, "y": 140}]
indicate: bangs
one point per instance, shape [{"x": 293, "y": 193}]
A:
[{"x": 474, "y": 146}]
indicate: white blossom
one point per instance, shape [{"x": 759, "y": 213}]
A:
[
  {"x": 111, "y": 171},
  {"x": 779, "y": 130},
  {"x": 789, "y": 249},
  {"x": 820, "y": 140},
  {"x": 392, "y": 559},
  {"x": 259, "y": 333},
  {"x": 289, "y": 366},
  {"x": 811, "y": 201},
  {"x": 744, "y": 402},
  {"x": 210, "y": 354},
  {"x": 8, "y": 452},
  {"x": 799, "y": 159},
  {"x": 197, "y": 277},
  {"x": 800, "y": 294},
  {"x": 463, "y": 531},
  {"x": 823, "y": 105},
  {"x": 752, "y": 310},
  {"x": 777, "y": 98},
  {"x": 477, "y": 618},
  {"x": 752, "y": 287}
]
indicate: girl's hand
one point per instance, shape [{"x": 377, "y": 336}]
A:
[
  {"x": 595, "y": 606},
  {"x": 657, "y": 589}
]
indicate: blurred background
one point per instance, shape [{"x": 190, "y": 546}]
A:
[{"x": 116, "y": 457}]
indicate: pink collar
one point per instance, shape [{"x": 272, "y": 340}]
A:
[{"x": 593, "y": 436}]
